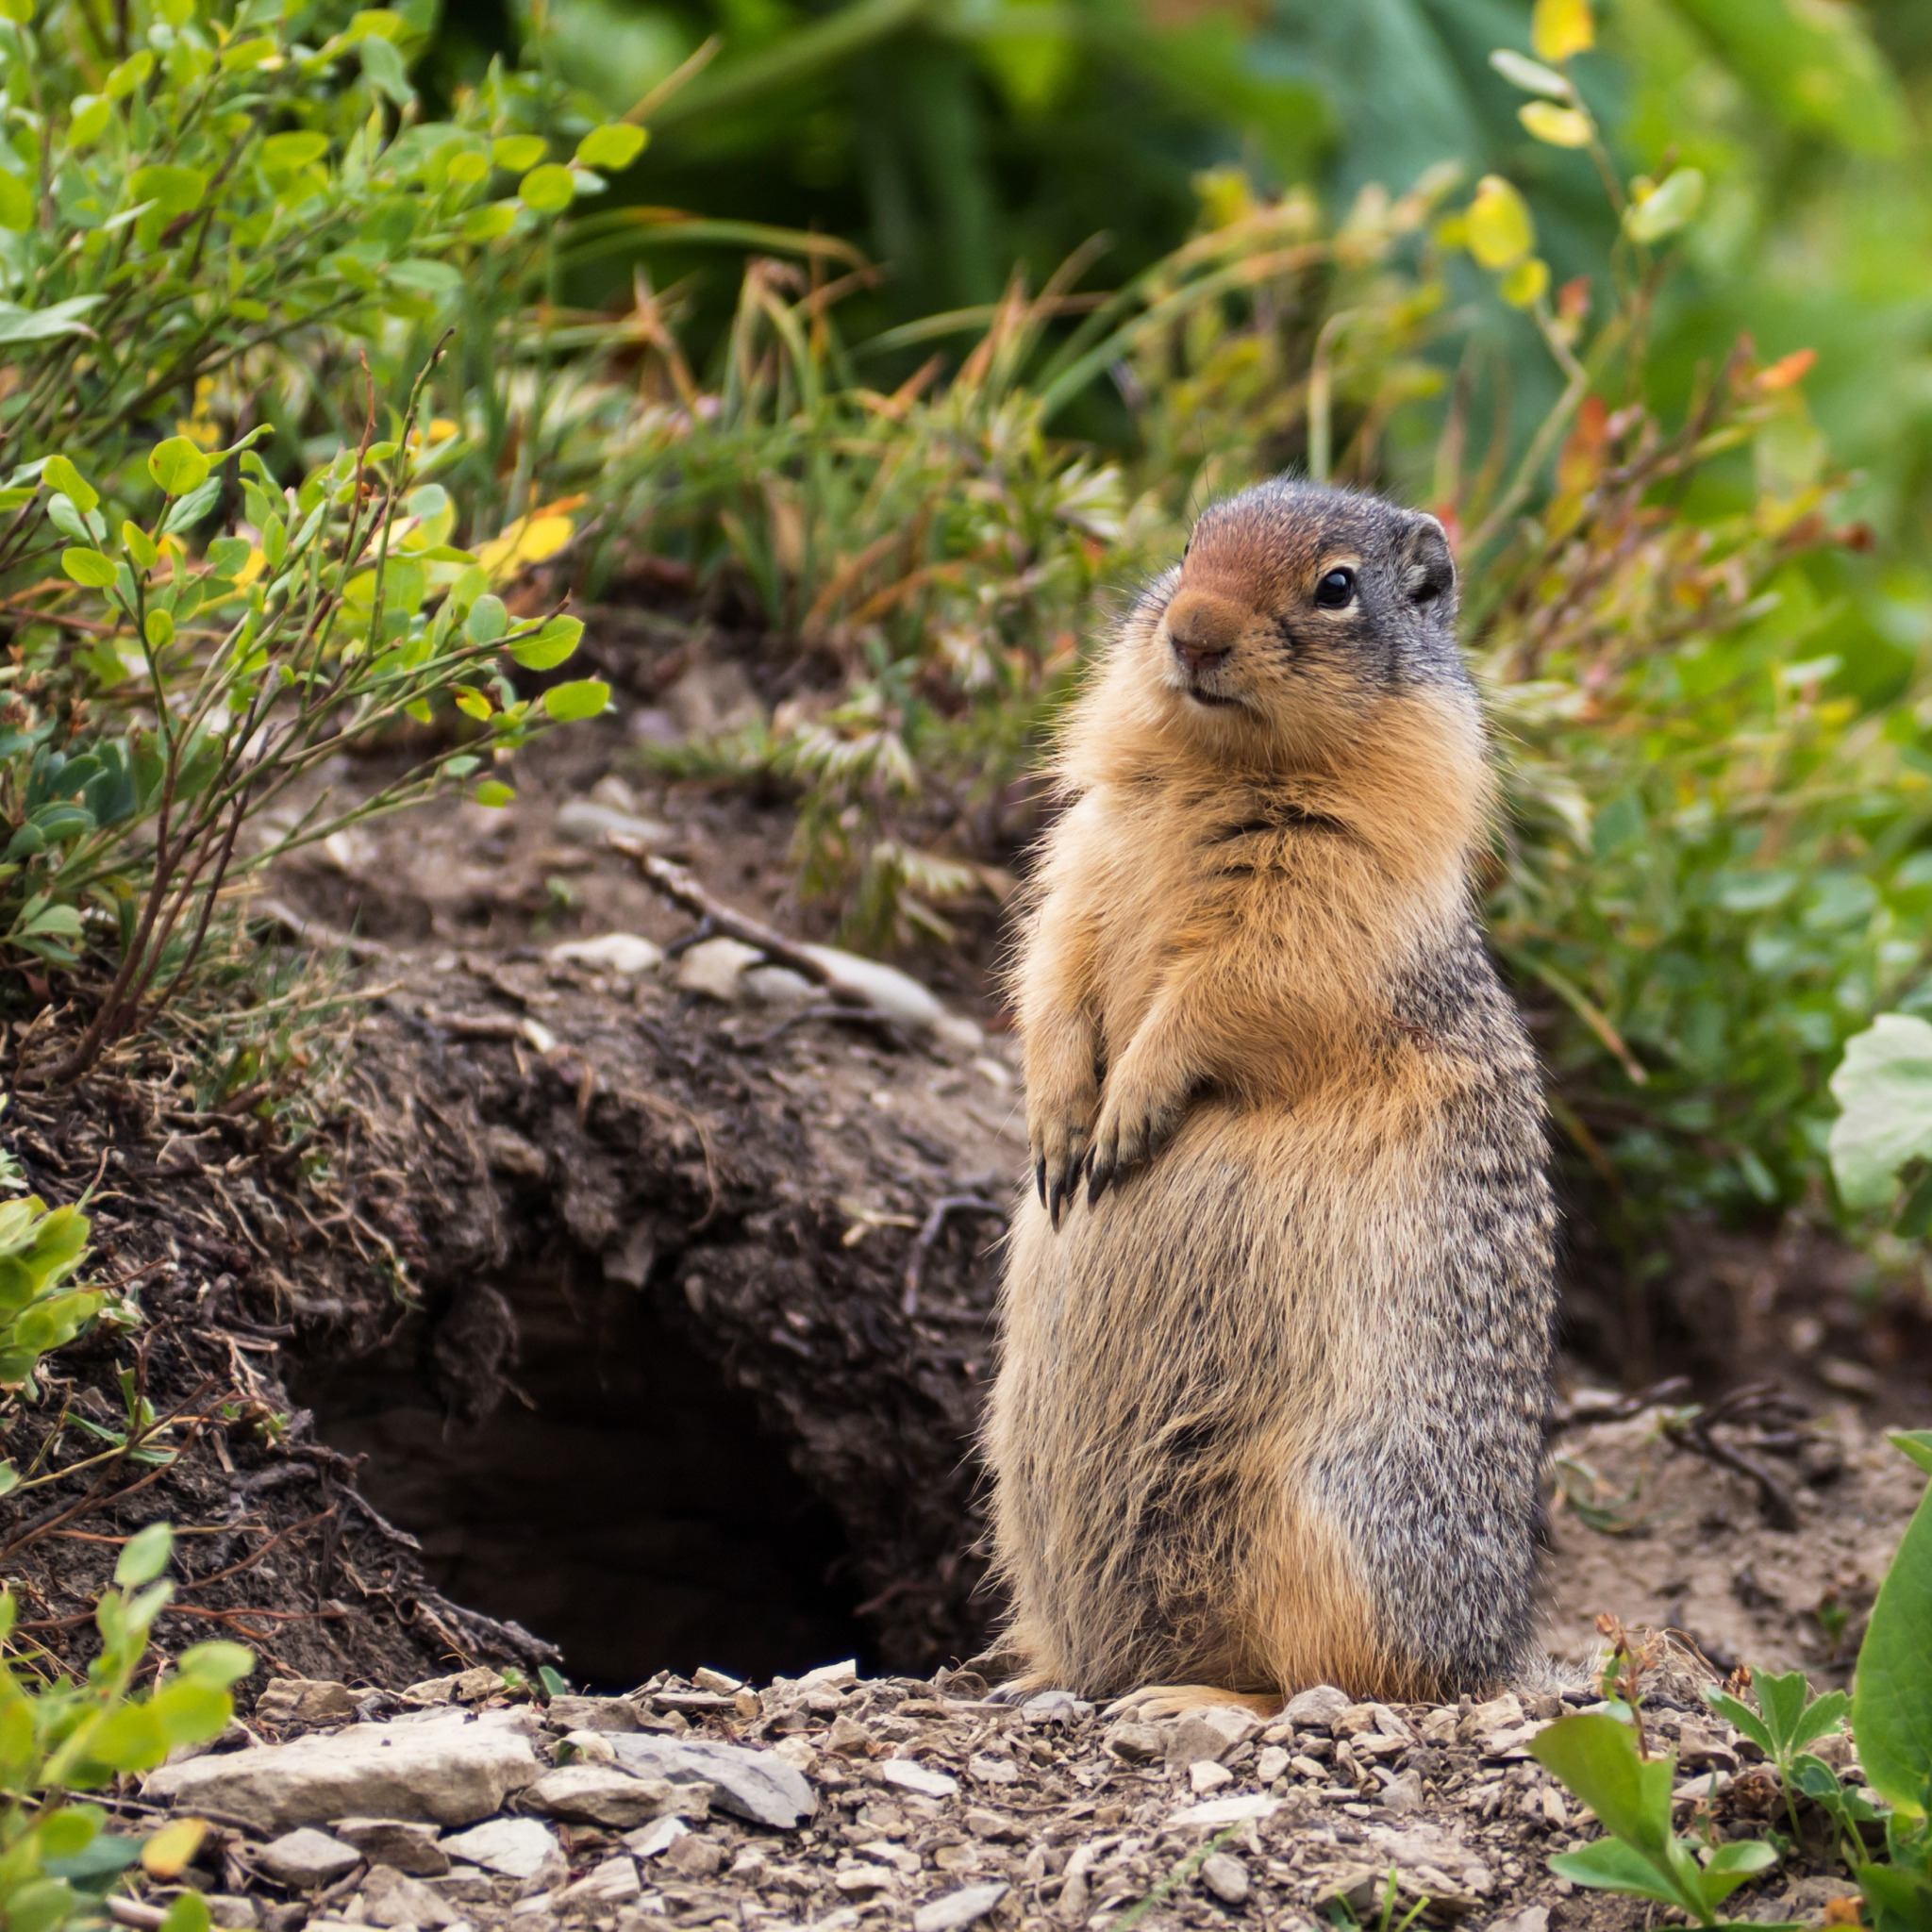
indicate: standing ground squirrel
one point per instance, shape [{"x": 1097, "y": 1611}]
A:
[{"x": 1278, "y": 1328}]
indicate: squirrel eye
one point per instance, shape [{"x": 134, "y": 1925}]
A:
[{"x": 1336, "y": 590}]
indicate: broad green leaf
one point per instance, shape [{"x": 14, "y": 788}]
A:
[
  {"x": 517, "y": 154},
  {"x": 284, "y": 153},
  {"x": 158, "y": 628},
  {"x": 88, "y": 568},
  {"x": 1498, "y": 224},
  {"x": 188, "y": 1910},
  {"x": 551, "y": 645},
  {"x": 140, "y": 546},
  {"x": 60, "y": 475},
  {"x": 220, "y": 1663},
  {"x": 90, "y": 117},
  {"x": 1916, "y": 1444},
  {"x": 1892, "y": 1703},
  {"x": 19, "y": 325},
  {"x": 386, "y": 72},
  {"x": 40, "y": 1906},
  {"x": 173, "y": 190},
  {"x": 178, "y": 466},
  {"x": 1597, "y": 1758},
  {"x": 1557, "y": 126},
  {"x": 1611, "y": 1865},
  {"x": 587, "y": 697},
  {"x": 547, "y": 190},
  {"x": 1666, "y": 207},
  {"x": 18, "y": 211},
  {"x": 1741, "y": 1717},
  {"x": 493, "y": 793},
  {"x": 190, "y": 1711},
  {"x": 1884, "y": 1089},
  {"x": 128, "y": 1738},
  {"x": 490, "y": 222},
  {"x": 145, "y": 1555},
  {"x": 70, "y": 1830},
  {"x": 615, "y": 145},
  {"x": 486, "y": 622}
]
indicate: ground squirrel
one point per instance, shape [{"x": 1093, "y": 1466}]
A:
[{"x": 1277, "y": 1325}]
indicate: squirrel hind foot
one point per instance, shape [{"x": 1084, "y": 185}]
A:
[{"x": 1153, "y": 1701}]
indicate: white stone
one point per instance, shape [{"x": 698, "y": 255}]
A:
[
  {"x": 831, "y": 1674},
  {"x": 408, "y": 1844},
  {"x": 1271, "y": 1764},
  {"x": 777, "y": 986},
  {"x": 1317, "y": 1708},
  {"x": 392, "y": 1898},
  {"x": 959, "y": 1909},
  {"x": 622, "y": 953},
  {"x": 305, "y": 1701},
  {"x": 993, "y": 1771},
  {"x": 599, "y": 1795},
  {"x": 1206, "y": 1775},
  {"x": 648, "y": 1841},
  {"x": 448, "y": 1766},
  {"x": 758, "y": 1784},
  {"x": 614, "y": 1881},
  {"x": 714, "y": 968},
  {"x": 517, "y": 1847},
  {"x": 1236, "y": 1810},
  {"x": 911, "y": 1776},
  {"x": 305, "y": 1858},
  {"x": 1225, "y": 1877}
]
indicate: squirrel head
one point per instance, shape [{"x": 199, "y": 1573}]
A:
[{"x": 1296, "y": 611}]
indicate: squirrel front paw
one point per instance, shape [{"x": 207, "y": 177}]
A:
[
  {"x": 1059, "y": 1136},
  {"x": 1135, "y": 1124}
]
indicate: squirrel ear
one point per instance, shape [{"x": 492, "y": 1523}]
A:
[{"x": 1428, "y": 568}]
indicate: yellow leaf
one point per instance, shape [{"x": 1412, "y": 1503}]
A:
[
  {"x": 1560, "y": 28},
  {"x": 472, "y": 704},
  {"x": 1559, "y": 126},
  {"x": 166, "y": 1854},
  {"x": 1525, "y": 285},
  {"x": 1499, "y": 227},
  {"x": 544, "y": 537}
]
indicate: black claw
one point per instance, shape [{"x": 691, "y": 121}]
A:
[
  {"x": 1054, "y": 1203},
  {"x": 1097, "y": 1179},
  {"x": 1040, "y": 1178}
]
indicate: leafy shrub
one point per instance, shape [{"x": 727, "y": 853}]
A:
[
  {"x": 214, "y": 216},
  {"x": 41, "y": 1250},
  {"x": 1601, "y": 1758},
  {"x": 56, "y": 1861}
]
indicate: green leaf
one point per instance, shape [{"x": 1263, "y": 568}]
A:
[
  {"x": 19, "y": 325},
  {"x": 1611, "y": 1865},
  {"x": 387, "y": 74},
  {"x": 1597, "y": 1757},
  {"x": 193, "y": 506},
  {"x": 517, "y": 154},
  {"x": 190, "y": 1711},
  {"x": 285, "y": 153},
  {"x": 1666, "y": 208},
  {"x": 144, "y": 1555},
  {"x": 140, "y": 546},
  {"x": 158, "y": 628},
  {"x": 587, "y": 697},
  {"x": 486, "y": 622},
  {"x": 548, "y": 189},
  {"x": 178, "y": 466},
  {"x": 17, "y": 209},
  {"x": 220, "y": 1663},
  {"x": 1915, "y": 1443},
  {"x": 60, "y": 475},
  {"x": 1741, "y": 1717},
  {"x": 615, "y": 145},
  {"x": 1532, "y": 76},
  {"x": 493, "y": 793},
  {"x": 550, "y": 646},
  {"x": 188, "y": 1911},
  {"x": 1884, "y": 1087},
  {"x": 88, "y": 568},
  {"x": 173, "y": 190},
  {"x": 1892, "y": 1703}
]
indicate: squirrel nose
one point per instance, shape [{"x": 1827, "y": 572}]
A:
[{"x": 1202, "y": 630}]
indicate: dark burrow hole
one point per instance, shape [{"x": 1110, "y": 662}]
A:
[{"x": 619, "y": 1499}]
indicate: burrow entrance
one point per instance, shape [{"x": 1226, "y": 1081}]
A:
[{"x": 612, "y": 1495}]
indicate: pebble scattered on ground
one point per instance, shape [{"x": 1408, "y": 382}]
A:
[{"x": 833, "y": 1802}]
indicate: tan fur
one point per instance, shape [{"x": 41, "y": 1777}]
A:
[{"x": 1204, "y": 998}]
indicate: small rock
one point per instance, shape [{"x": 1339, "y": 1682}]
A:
[
  {"x": 896, "y": 995},
  {"x": 1225, "y": 1877},
  {"x": 508, "y": 1153},
  {"x": 1212, "y": 1733},
  {"x": 600, "y": 1794},
  {"x": 590, "y": 1714},
  {"x": 714, "y": 967},
  {"x": 1236, "y": 1810},
  {"x": 648, "y": 1841},
  {"x": 1404, "y": 1795},
  {"x": 1135, "y": 1743},
  {"x": 990, "y": 1825},
  {"x": 402, "y": 1843},
  {"x": 304, "y": 1860},
  {"x": 830, "y": 1675},
  {"x": 694, "y": 1858},
  {"x": 450, "y": 1767},
  {"x": 625, "y": 953},
  {"x": 1205, "y": 1775},
  {"x": 911, "y": 1776},
  {"x": 798, "y": 1753},
  {"x": 959, "y": 1909},
  {"x": 585, "y": 1747},
  {"x": 461, "y": 1687},
  {"x": 1701, "y": 1749},
  {"x": 1317, "y": 1708},
  {"x": 1530, "y": 1919},
  {"x": 305, "y": 1701},
  {"x": 1504, "y": 1713},
  {"x": 231, "y": 1912},
  {"x": 1271, "y": 1764},
  {"x": 758, "y": 1784},
  {"x": 993, "y": 1771},
  {"x": 708, "y": 1679},
  {"x": 517, "y": 1847},
  {"x": 776, "y": 986},
  {"x": 613, "y": 1882},
  {"x": 848, "y": 1738},
  {"x": 1054, "y": 1707},
  {"x": 393, "y": 1898}
]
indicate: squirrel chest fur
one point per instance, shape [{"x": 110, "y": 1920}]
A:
[{"x": 1278, "y": 1311}]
